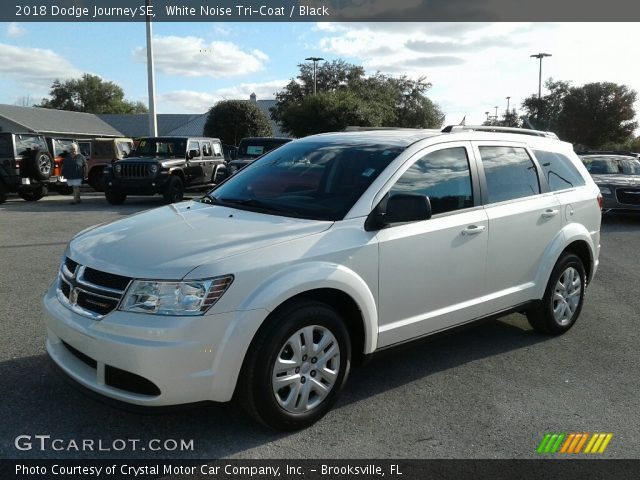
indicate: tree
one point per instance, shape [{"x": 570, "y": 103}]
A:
[
  {"x": 345, "y": 96},
  {"x": 542, "y": 113},
  {"x": 231, "y": 120},
  {"x": 597, "y": 114},
  {"x": 90, "y": 94}
]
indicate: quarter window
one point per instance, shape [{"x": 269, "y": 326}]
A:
[
  {"x": 443, "y": 176},
  {"x": 510, "y": 173},
  {"x": 206, "y": 149},
  {"x": 558, "y": 170}
]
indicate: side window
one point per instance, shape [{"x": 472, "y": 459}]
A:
[
  {"x": 5, "y": 147},
  {"x": 558, "y": 170},
  {"x": 510, "y": 173},
  {"x": 206, "y": 149},
  {"x": 443, "y": 176},
  {"x": 217, "y": 149},
  {"x": 193, "y": 145}
]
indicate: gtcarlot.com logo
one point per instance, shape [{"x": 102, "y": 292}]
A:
[{"x": 574, "y": 443}]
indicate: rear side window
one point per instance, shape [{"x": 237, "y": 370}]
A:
[
  {"x": 5, "y": 147},
  {"x": 510, "y": 173},
  {"x": 558, "y": 170},
  {"x": 443, "y": 176}
]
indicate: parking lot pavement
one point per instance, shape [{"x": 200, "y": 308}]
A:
[{"x": 491, "y": 391}]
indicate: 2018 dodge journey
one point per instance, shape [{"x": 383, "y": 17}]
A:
[{"x": 322, "y": 252}]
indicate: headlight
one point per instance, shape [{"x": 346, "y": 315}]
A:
[
  {"x": 117, "y": 168},
  {"x": 190, "y": 297},
  {"x": 604, "y": 190},
  {"x": 153, "y": 168}
]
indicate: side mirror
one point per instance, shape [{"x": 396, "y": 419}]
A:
[
  {"x": 193, "y": 153},
  {"x": 400, "y": 208}
]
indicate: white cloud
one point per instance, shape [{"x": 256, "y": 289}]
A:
[
  {"x": 34, "y": 68},
  {"x": 14, "y": 30},
  {"x": 188, "y": 101},
  {"x": 194, "y": 57}
]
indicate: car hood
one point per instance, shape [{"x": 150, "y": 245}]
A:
[
  {"x": 619, "y": 180},
  {"x": 149, "y": 159},
  {"x": 169, "y": 242}
]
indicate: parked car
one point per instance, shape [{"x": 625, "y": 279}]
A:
[
  {"x": 105, "y": 151},
  {"x": 166, "y": 165},
  {"x": 618, "y": 177},
  {"x": 273, "y": 284},
  {"x": 25, "y": 166},
  {"x": 251, "y": 148}
]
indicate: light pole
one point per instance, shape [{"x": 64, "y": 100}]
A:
[
  {"x": 508, "y": 98},
  {"x": 315, "y": 60},
  {"x": 487, "y": 114},
  {"x": 540, "y": 56},
  {"x": 151, "y": 82},
  {"x": 496, "y": 117}
]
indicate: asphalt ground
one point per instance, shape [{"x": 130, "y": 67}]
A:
[{"x": 490, "y": 391}]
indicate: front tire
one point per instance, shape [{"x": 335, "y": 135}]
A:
[
  {"x": 174, "y": 191},
  {"x": 296, "y": 367},
  {"x": 563, "y": 299}
]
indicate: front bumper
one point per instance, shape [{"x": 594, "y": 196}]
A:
[
  {"x": 138, "y": 186},
  {"x": 188, "y": 359}
]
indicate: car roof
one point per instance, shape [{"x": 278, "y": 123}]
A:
[
  {"x": 608, "y": 156},
  {"x": 400, "y": 138}
]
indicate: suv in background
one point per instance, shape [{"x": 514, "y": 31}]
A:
[
  {"x": 25, "y": 166},
  {"x": 105, "y": 151},
  {"x": 329, "y": 249},
  {"x": 165, "y": 165},
  {"x": 251, "y": 148},
  {"x": 618, "y": 177}
]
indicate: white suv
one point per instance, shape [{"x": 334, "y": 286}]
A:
[{"x": 322, "y": 252}]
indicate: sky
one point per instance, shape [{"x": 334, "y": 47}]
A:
[{"x": 472, "y": 67}]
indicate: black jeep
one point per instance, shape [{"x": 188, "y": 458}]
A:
[
  {"x": 251, "y": 148},
  {"x": 25, "y": 166},
  {"x": 166, "y": 165}
]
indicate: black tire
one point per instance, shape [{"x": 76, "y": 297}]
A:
[
  {"x": 255, "y": 391},
  {"x": 114, "y": 197},
  {"x": 542, "y": 317},
  {"x": 32, "y": 194},
  {"x": 174, "y": 191},
  {"x": 39, "y": 164},
  {"x": 96, "y": 179},
  {"x": 3, "y": 193}
]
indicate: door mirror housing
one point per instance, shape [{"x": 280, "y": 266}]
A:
[
  {"x": 192, "y": 154},
  {"x": 400, "y": 208}
]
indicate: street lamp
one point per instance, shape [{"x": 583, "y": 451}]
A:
[
  {"x": 151, "y": 80},
  {"x": 487, "y": 114},
  {"x": 315, "y": 60},
  {"x": 496, "y": 117},
  {"x": 540, "y": 56},
  {"x": 508, "y": 98}
]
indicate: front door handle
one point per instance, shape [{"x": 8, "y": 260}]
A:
[
  {"x": 473, "y": 230},
  {"x": 550, "y": 212}
]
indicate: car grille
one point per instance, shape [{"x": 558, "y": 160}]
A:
[
  {"x": 630, "y": 196},
  {"x": 135, "y": 170},
  {"x": 90, "y": 292}
]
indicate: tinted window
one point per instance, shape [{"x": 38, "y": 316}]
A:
[
  {"x": 29, "y": 142},
  {"x": 443, "y": 176},
  {"x": 309, "y": 179},
  {"x": 5, "y": 147},
  {"x": 62, "y": 145},
  {"x": 162, "y": 147},
  {"x": 558, "y": 170},
  {"x": 612, "y": 165},
  {"x": 510, "y": 173},
  {"x": 206, "y": 149}
]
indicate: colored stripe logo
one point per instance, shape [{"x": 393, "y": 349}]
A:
[{"x": 573, "y": 443}]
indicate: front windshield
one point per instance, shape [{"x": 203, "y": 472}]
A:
[
  {"x": 307, "y": 179},
  {"x": 612, "y": 165},
  {"x": 255, "y": 148},
  {"x": 162, "y": 147}
]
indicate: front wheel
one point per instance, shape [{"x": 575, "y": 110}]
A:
[
  {"x": 562, "y": 302},
  {"x": 174, "y": 191},
  {"x": 296, "y": 368},
  {"x": 33, "y": 194}
]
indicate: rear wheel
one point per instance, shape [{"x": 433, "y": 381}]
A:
[
  {"x": 32, "y": 194},
  {"x": 115, "y": 197},
  {"x": 296, "y": 368},
  {"x": 562, "y": 302},
  {"x": 96, "y": 180},
  {"x": 174, "y": 191}
]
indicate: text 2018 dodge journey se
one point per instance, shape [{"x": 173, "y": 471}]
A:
[{"x": 322, "y": 252}]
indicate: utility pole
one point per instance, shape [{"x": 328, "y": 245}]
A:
[
  {"x": 151, "y": 82},
  {"x": 315, "y": 60},
  {"x": 540, "y": 56},
  {"x": 508, "y": 98}
]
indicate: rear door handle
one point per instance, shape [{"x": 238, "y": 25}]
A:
[
  {"x": 550, "y": 212},
  {"x": 473, "y": 230}
]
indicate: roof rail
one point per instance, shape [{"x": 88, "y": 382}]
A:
[{"x": 491, "y": 128}]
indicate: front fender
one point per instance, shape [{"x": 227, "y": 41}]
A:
[{"x": 297, "y": 279}]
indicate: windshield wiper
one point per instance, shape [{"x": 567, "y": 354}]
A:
[
  {"x": 209, "y": 199},
  {"x": 251, "y": 202}
]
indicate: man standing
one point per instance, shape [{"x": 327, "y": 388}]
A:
[{"x": 73, "y": 167}]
